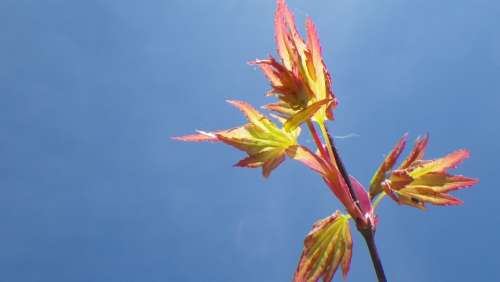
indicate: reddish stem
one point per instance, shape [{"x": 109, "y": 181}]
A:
[
  {"x": 343, "y": 170},
  {"x": 315, "y": 136},
  {"x": 368, "y": 232},
  {"x": 369, "y": 236}
]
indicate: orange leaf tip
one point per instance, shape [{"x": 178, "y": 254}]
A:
[{"x": 200, "y": 137}]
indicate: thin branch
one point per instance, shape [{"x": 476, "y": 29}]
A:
[
  {"x": 315, "y": 136},
  {"x": 368, "y": 233},
  {"x": 378, "y": 199},
  {"x": 328, "y": 141},
  {"x": 342, "y": 168},
  {"x": 369, "y": 236}
]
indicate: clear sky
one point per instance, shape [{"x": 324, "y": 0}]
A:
[{"x": 93, "y": 189}]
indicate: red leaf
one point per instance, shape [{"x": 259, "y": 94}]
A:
[
  {"x": 364, "y": 200},
  {"x": 386, "y": 166},
  {"x": 417, "y": 153}
]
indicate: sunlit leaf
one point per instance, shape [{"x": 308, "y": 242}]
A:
[
  {"x": 200, "y": 137},
  {"x": 439, "y": 165},
  {"x": 301, "y": 79},
  {"x": 281, "y": 108},
  {"x": 417, "y": 153},
  {"x": 418, "y": 182},
  {"x": 317, "y": 75},
  {"x": 326, "y": 247},
  {"x": 286, "y": 85},
  {"x": 302, "y": 116},
  {"x": 389, "y": 162},
  {"x": 261, "y": 139},
  {"x": 364, "y": 201}
]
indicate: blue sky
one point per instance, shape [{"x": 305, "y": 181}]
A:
[{"x": 93, "y": 189}]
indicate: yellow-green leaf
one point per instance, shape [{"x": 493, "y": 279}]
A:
[
  {"x": 326, "y": 247},
  {"x": 428, "y": 182},
  {"x": 263, "y": 141},
  {"x": 301, "y": 79},
  {"x": 440, "y": 165},
  {"x": 302, "y": 116}
]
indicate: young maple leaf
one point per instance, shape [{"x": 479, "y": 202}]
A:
[
  {"x": 326, "y": 247},
  {"x": 381, "y": 173},
  {"x": 301, "y": 81},
  {"x": 261, "y": 139},
  {"x": 416, "y": 181}
]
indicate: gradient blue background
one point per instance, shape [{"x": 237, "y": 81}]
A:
[{"x": 93, "y": 189}]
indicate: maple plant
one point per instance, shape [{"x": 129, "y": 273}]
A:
[{"x": 303, "y": 88}]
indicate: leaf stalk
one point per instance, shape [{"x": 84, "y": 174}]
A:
[{"x": 368, "y": 232}]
